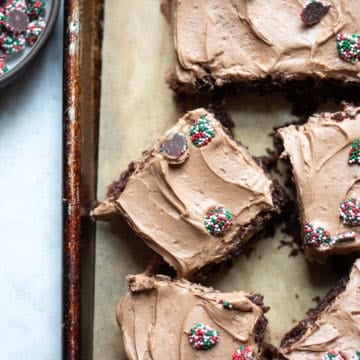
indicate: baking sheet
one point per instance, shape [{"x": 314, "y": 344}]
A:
[{"x": 136, "y": 108}]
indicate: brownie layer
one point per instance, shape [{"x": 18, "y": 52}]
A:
[{"x": 157, "y": 310}]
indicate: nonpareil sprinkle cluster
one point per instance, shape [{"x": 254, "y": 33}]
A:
[
  {"x": 34, "y": 30},
  {"x": 202, "y": 132},
  {"x": 244, "y": 352},
  {"x": 318, "y": 236},
  {"x": 35, "y": 8},
  {"x": 21, "y": 21},
  {"x": 203, "y": 337},
  {"x": 354, "y": 153},
  {"x": 332, "y": 355},
  {"x": 350, "y": 212},
  {"x": 218, "y": 221},
  {"x": 349, "y": 47}
]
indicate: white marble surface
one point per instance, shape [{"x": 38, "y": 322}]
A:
[{"x": 30, "y": 209}]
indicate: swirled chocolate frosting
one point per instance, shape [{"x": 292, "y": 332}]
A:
[
  {"x": 198, "y": 204},
  {"x": 245, "y": 40},
  {"x": 157, "y": 314},
  {"x": 325, "y": 178},
  {"x": 336, "y": 328}
]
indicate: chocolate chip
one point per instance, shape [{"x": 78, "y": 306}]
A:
[
  {"x": 17, "y": 20},
  {"x": 175, "y": 146},
  {"x": 314, "y": 12}
]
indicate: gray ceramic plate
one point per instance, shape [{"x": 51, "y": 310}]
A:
[{"x": 18, "y": 62}]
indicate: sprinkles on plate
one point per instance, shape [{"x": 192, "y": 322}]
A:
[
  {"x": 34, "y": 30},
  {"x": 21, "y": 23},
  {"x": 3, "y": 66}
]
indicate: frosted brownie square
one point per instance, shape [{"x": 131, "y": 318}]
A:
[
  {"x": 196, "y": 197},
  {"x": 221, "y": 42},
  {"x": 332, "y": 330},
  {"x": 325, "y": 158},
  {"x": 164, "y": 319}
]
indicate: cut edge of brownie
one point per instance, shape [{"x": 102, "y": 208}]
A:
[
  {"x": 329, "y": 87},
  {"x": 314, "y": 314},
  {"x": 262, "y": 323}
]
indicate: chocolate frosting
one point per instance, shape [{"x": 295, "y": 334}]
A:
[
  {"x": 156, "y": 315},
  {"x": 318, "y": 152},
  {"x": 244, "y": 40},
  {"x": 165, "y": 203},
  {"x": 337, "y": 328}
]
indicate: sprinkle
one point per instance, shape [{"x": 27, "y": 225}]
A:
[
  {"x": 203, "y": 337},
  {"x": 349, "y": 47},
  {"x": 3, "y": 19},
  {"x": 175, "y": 147},
  {"x": 356, "y": 356},
  {"x": 12, "y": 44},
  {"x": 354, "y": 153},
  {"x": 3, "y": 66},
  {"x": 244, "y": 352},
  {"x": 227, "y": 305},
  {"x": 202, "y": 132},
  {"x": 34, "y": 30},
  {"x": 332, "y": 355},
  {"x": 343, "y": 236},
  {"x": 350, "y": 212},
  {"x": 313, "y": 12},
  {"x": 36, "y": 8},
  {"x": 316, "y": 237},
  {"x": 15, "y": 5},
  {"x": 218, "y": 221}
]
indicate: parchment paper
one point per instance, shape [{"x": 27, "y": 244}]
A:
[{"x": 136, "y": 108}]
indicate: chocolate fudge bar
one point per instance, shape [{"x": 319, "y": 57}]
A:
[
  {"x": 250, "y": 41},
  {"x": 164, "y": 319},
  {"x": 332, "y": 330},
  {"x": 196, "y": 197},
  {"x": 325, "y": 157}
]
